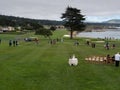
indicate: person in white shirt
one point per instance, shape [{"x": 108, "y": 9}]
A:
[{"x": 117, "y": 59}]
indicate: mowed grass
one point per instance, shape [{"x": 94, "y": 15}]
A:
[{"x": 45, "y": 66}]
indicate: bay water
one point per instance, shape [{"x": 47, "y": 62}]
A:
[{"x": 107, "y": 33}]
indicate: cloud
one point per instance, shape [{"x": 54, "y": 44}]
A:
[{"x": 96, "y": 10}]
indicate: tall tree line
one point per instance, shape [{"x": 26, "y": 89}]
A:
[{"x": 20, "y": 21}]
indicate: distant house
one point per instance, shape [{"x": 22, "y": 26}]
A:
[
  {"x": 6, "y": 29},
  {"x": 11, "y": 28},
  {"x": 60, "y": 27}
]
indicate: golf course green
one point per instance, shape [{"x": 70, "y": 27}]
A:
[{"x": 42, "y": 66}]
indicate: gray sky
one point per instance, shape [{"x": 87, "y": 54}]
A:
[{"x": 94, "y": 10}]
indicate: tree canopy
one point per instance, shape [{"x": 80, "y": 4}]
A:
[
  {"x": 43, "y": 31},
  {"x": 21, "y": 21},
  {"x": 29, "y": 24},
  {"x": 73, "y": 20}
]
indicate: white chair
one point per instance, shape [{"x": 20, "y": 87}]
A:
[
  {"x": 101, "y": 59},
  {"x": 86, "y": 59}
]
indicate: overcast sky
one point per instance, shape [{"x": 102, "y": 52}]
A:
[{"x": 94, "y": 10}]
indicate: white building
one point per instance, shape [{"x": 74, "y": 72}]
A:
[{"x": 9, "y": 28}]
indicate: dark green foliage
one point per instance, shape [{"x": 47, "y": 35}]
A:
[
  {"x": 18, "y": 21},
  {"x": 73, "y": 20},
  {"x": 32, "y": 26},
  {"x": 53, "y": 28},
  {"x": 25, "y": 24},
  {"x": 44, "y": 32}
]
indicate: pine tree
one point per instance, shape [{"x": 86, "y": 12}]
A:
[{"x": 73, "y": 20}]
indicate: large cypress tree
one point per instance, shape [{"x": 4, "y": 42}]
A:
[{"x": 73, "y": 20}]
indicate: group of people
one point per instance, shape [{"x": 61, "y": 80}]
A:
[
  {"x": 93, "y": 45},
  {"x": 115, "y": 58},
  {"x": 13, "y": 43},
  {"x": 73, "y": 61},
  {"x": 76, "y": 43},
  {"x": 107, "y": 46},
  {"x": 110, "y": 59},
  {"x": 54, "y": 41}
]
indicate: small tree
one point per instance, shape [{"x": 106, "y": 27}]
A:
[
  {"x": 43, "y": 31},
  {"x": 73, "y": 20},
  {"x": 53, "y": 28}
]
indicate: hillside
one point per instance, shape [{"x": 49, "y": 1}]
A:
[
  {"x": 21, "y": 21},
  {"x": 13, "y": 21},
  {"x": 116, "y": 21}
]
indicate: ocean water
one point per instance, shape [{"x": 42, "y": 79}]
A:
[{"x": 107, "y": 33}]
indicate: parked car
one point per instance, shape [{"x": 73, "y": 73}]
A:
[{"x": 31, "y": 39}]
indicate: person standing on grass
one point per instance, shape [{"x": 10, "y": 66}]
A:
[
  {"x": 0, "y": 41},
  {"x": 10, "y": 42},
  {"x": 117, "y": 59},
  {"x": 108, "y": 58},
  {"x": 88, "y": 43},
  {"x": 14, "y": 43},
  {"x": 113, "y": 46}
]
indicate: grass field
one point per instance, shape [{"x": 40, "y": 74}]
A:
[{"x": 45, "y": 66}]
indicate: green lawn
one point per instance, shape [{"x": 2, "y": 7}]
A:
[{"x": 45, "y": 67}]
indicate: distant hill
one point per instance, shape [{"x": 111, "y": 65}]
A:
[
  {"x": 115, "y": 21},
  {"x": 12, "y": 21},
  {"x": 21, "y": 21}
]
